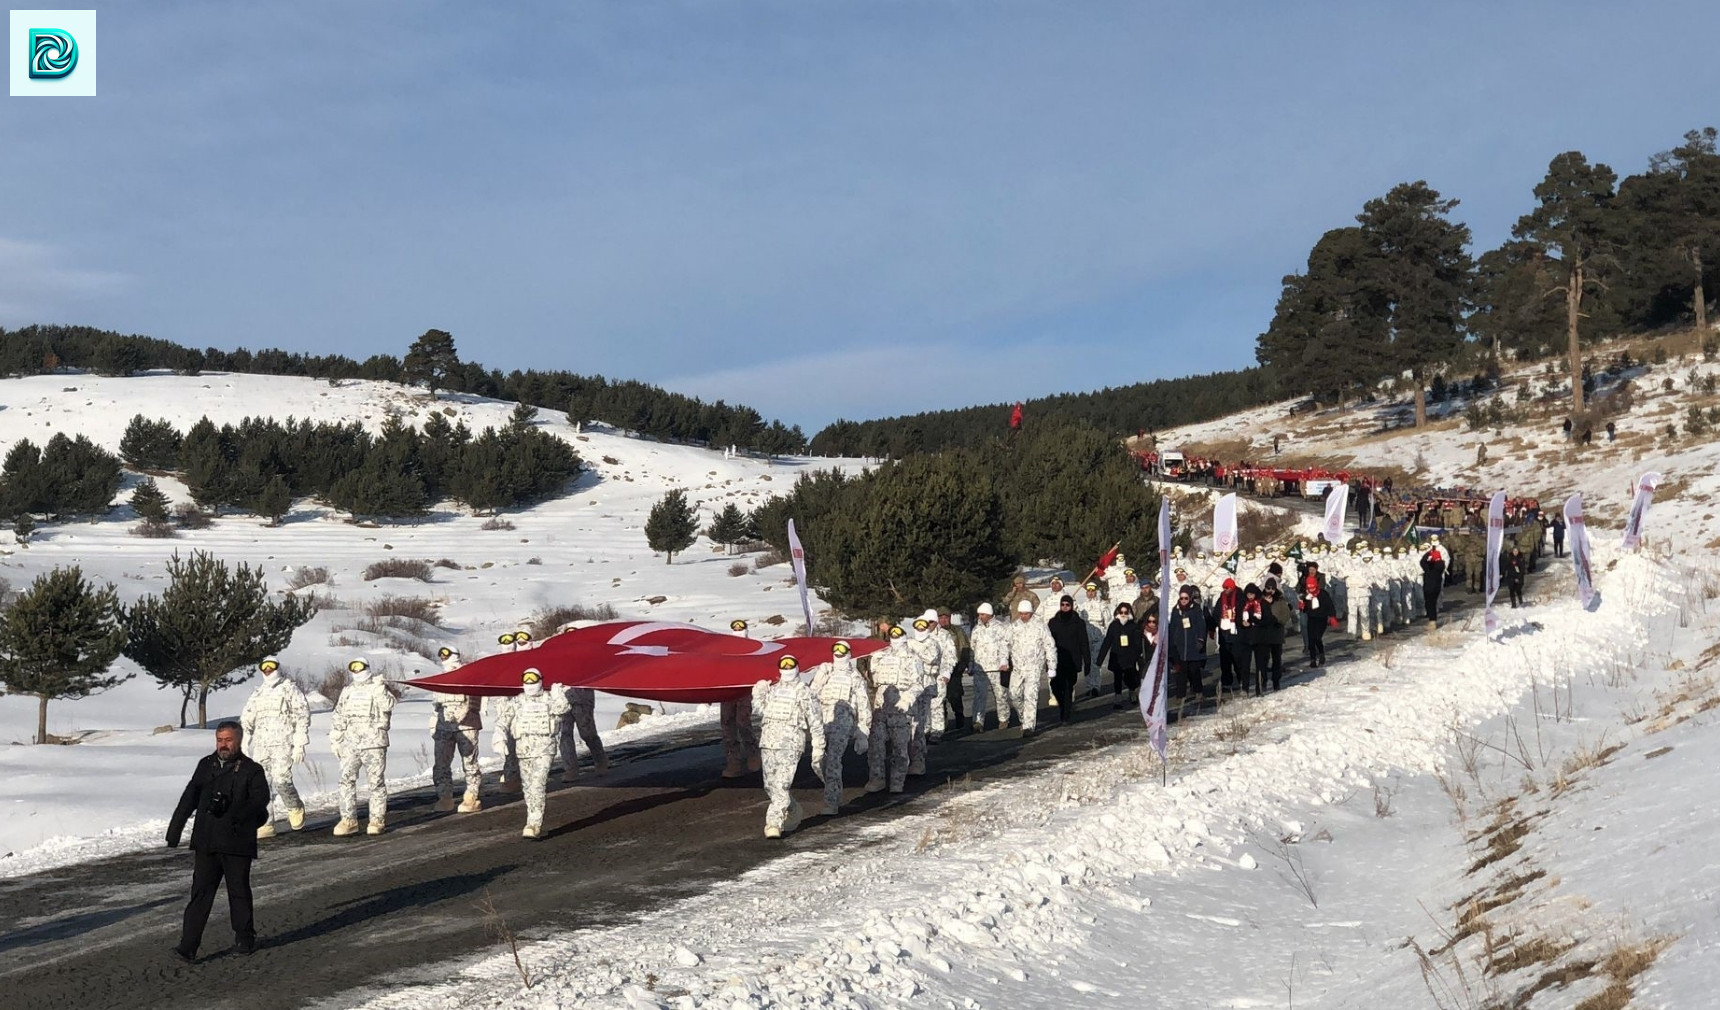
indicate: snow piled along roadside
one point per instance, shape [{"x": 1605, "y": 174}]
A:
[{"x": 976, "y": 902}]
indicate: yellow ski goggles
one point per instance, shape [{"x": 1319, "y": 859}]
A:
[
  {"x": 737, "y": 625},
  {"x": 357, "y": 666},
  {"x": 921, "y": 624},
  {"x": 268, "y": 666},
  {"x": 531, "y": 677},
  {"x": 507, "y": 639},
  {"x": 896, "y": 631},
  {"x": 788, "y": 663},
  {"x": 444, "y": 652},
  {"x": 840, "y": 649}
]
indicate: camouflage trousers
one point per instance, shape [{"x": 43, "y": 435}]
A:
[
  {"x": 583, "y": 719},
  {"x": 374, "y": 761},
  {"x": 465, "y": 743},
  {"x": 779, "y": 766},
  {"x": 887, "y": 748},
  {"x": 278, "y": 766}
]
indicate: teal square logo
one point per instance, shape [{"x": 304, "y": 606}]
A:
[{"x": 53, "y": 53}]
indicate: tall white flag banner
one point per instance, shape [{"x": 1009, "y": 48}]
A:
[
  {"x": 1337, "y": 505},
  {"x": 798, "y": 555},
  {"x": 1495, "y": 544},
  {"x": 1579, "y": 538},
  {"x": 1224, "y": 538},
  {"x": 1155, "y": 701},
  {"x": 1645, "y": 486}
]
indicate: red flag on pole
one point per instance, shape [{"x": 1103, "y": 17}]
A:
[
  {"x": 1015, "y": 418},
  {"x": 1106, "y": 560}
]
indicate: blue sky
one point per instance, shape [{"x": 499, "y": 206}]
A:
[{"x": 821, "y": 208}]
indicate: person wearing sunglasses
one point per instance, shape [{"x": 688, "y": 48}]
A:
[
  {"x": 788, "y": 719},
  {"x": 1188, "y": 636},
  {"x": 1122, "y": 646},
  {"x": 358, "y": 735},
  {"x": 1074, "y": 660},
  {"x": 277, "y": 724}
]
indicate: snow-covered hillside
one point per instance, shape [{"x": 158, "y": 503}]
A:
[
  {"x": 1531, "y": 458},
  {"x": 585, "y": 548}
]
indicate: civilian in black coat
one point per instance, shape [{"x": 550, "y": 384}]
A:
[
  {"x": 1074, "y": 660},
  {"x": 229, "y": 794},
  {"x": 1122, "y": 647},
  {"x": 1187, "y": 635}
]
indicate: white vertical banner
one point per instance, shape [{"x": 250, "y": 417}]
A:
[
  {"x": 1645, "y": 486},
  {"x": 1155, "y": 701},
  {"x": 1337, "y": 506},
  {"x": 1579, "y": 537},
  {"x": 1495, "y": 544},
  {"x": 1224, "y": 537},
  {"x": 797, "y": 554}
]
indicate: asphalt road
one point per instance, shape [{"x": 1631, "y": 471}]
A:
[{"x": 339, "y": 917}]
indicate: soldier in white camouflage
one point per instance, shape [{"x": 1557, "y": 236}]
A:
[
  {"x": 788, "y": 720},
  {"x": 930, "y": 651},
  {"x": 276, "y": 725},
  {"x": 358, "y": 735},
  {"x": 897, "y": 679},
  {"x": 1031, "y": 653},
  {"x": 846, "y": 709},
  {"x": 455, "y": 724},
  {"x": 1097, "y": 613},
  {"x": 990, "y": 641},
  {"x": 530, "y": 719}
]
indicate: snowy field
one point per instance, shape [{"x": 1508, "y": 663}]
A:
[
  {"x": 1450, "y": 819},
  {"x": 585, "y": 548}
]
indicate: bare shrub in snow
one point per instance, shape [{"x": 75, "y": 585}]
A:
[
  {"x": 398, "y": 568},
  {"x": 416, "y": 608},
  {"x": 771, "y": 557},
  {"x": 738, "y": 569},
  {"x": 497, "y": 524},
  {"x": 154, "y": 529},
  {"x": 189, "y": 517},
  {"x": 549, "y": 620},
  {"x": 308, "y": 576}
]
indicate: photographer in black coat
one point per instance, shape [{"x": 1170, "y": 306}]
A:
[{"x": 229, "y": 794}]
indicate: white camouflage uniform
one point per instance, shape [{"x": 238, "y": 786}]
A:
[
  {"x": 990, "y": 642},
  {"x": 788, "y": 719},
  {"x": 897, "y": 678},
  {"x": 847, "y": 714},
  {"x": 457, "y": 720},
  {"x": 358, "y": 734},
  {"x": 277, "y": 728},
  {"x": 1031, "y": 653},
  {"x": 929, "y": 651},
  {"x": 947, "y": 656},
  {"x": 530, "y": 719}
]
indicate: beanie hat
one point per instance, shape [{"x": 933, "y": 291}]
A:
[
  {"x": 1024, "y": 607},
  {"x": 985, "y": 608}
]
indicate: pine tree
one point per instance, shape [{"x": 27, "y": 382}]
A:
[
  {"x": 23, "y": 484},
  {"x": 523, "y": 416},
  {"x": 673, "y": 525},
  {"x": 81, "y": 477},
  {"x": 431, "y": 360},
  {"x": 1573, "y": 223},
  {"x": 729, "y": 527},
  {"x": 149, "y": 502},
  {"x": 208, "y": 464},
  {"x": 58, "y": 640},
  {"x": 1420, "y": 272},
  {"x": 920, "y": 532},
  {"x": 151, "y": 446},
  {"x": 208, "y": 627},
  {"x": 275, "y": 500}
]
